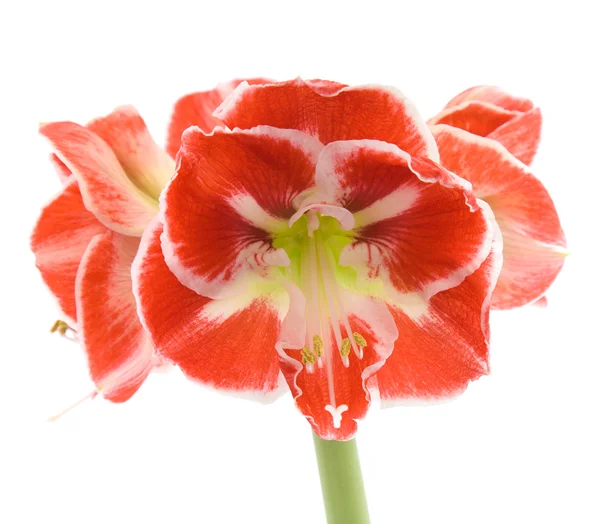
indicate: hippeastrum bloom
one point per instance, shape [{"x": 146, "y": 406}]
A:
[
  {"x": 87, "y": 236},
  {"x": 487, "y": 137},
  {"x": 338, "y": 253},
  {"x": 86, "y": 239}
]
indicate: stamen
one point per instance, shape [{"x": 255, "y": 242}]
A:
[
  {"x": 308, "y": 356},
  {"x": 318, "y": 349},
  {"x": 66, "y": 331},
  {"x": 314, "y": 326},
  {"x": 346, "y": 347},
  {"x": 359, "y": 339},
  {"x": 328, "y": 278},
  {"x": 341, "y": 311},
  {"x": 318, "y": 345},
  {"x": 309, "y": 291},
  {"x": 345, "y": 351},
  {"x": 89, "y": 396},
  {"x": 327, "y": 356}
]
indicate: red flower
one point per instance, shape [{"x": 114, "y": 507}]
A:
[
  {"x": 487, "y": 136},
  {"x": 87, "y": 237},
  {"x": 325, "y": 244}
]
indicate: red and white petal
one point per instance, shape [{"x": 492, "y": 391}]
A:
[
  {"x": 146, "y": 164},
  {"x": 196, "y": 109},
  {"x": 521, "y": 136},
  {"x": 519, "y": 132},
  {"x": 105, "y": 187},
  {"x": 61, "y": 169},
  {"x": 418, "y": 226},
  {"x": 331, "y": 112},
  {"x": 531, "y": 264},
  {"x": 120, "y": 354},
  {"x": 59, "y": 240},
  {"x": 492, "y": 95},
  {"x": 231, "y": 191},
  {"x": 534, "y": 242},
  {"x": 481, "y": 118},
  {"x": 444, "y": 344},
  {"x": 333, "y": 396},
  {"x": 228, "y": 344}
]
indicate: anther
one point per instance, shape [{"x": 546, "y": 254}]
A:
[
  {"x": 308, "y": 357},
  {"x": 61, "y": 327},
  {"x": 346, "y": 347},
  {"x": 359, "y": 339},
  {"x": 318, "y": 345}
]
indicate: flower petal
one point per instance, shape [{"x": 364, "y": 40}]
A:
[
  {"x": 120, "y": 353},
  {"x": 105, "y": 187},
  {"x": 228, "y": 344},
  {"x": 59, "y": 240},
  {"x": 146, "y": 164},
  {"x": 445, "y": 343},
  {"x": 492, "y": 95},
  {"x": 331, "y": 112},
  {"x": 517, "y": 131},
  {"x": 481, "y": 118},
  {"x": 418, "y": 226},
  {"x": 534, "y": 242},
  {"x": 196, "y": 109},
  {"x": 61, "y": 169},
  {"x": 231, "y": 190},
  {"x": 521, "y": 136},
  {"x": 333, "y": 397}
]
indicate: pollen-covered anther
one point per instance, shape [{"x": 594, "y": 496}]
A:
[
  {"x": 318, "y": 345},
  {"x": 308, "y": 359},
  {"x": 346, "y": 347},
  {"x": 62, "y": 328},
  {"x": 59, "y": 326},
  {"x": 359, "y": 339}
]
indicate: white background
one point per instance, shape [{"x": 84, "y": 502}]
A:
[{"x": 520, "y": 446}]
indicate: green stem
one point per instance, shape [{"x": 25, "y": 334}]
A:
[{"x": 341, "y": 482}]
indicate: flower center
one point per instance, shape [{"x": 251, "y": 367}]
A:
[{"x": 313, "y": 244}]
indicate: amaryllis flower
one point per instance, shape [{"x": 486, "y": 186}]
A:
[
  {"x": 487, "y": 137},
  {"x": 86, "y": 239},
  {"x": 332, "y": 249}
]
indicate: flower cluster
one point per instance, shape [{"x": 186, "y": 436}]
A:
[{"x": 305, "y": 233}]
